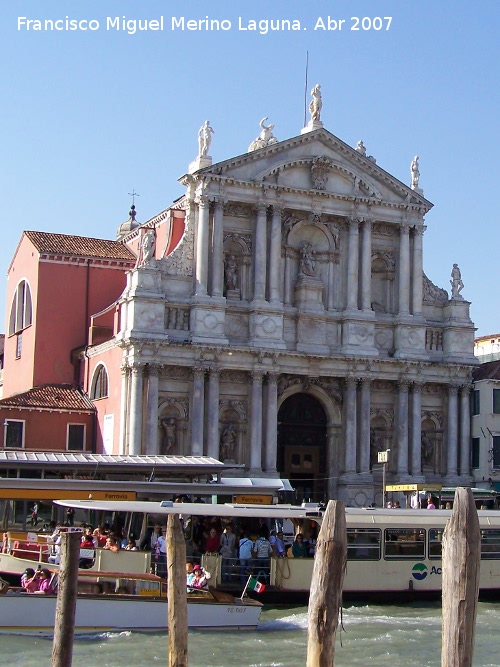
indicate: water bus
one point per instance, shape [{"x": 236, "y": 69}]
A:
[{"x": 390, "y": 552}]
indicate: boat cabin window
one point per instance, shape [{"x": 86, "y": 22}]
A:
[
  {"x": 404, "y": 543},
  {"x": 490, "y": 544},
  {"x": 363, "y": 543},
  {"x": 435, "y": 543}
]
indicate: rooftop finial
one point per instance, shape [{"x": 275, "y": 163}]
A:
[{"x": 132, "y": 212}]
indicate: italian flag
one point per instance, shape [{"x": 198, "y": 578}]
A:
[{"x": 255, "y": 585}]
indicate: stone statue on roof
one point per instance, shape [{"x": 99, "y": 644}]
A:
[
  {"x": 316, "y": 104},
  {"x": 415, "y": 173},
  {"x": 265, "y": 138},
  {"x": 204, "y": 138},
  {"x": 361, "y": 148},
  {"x": 456, "y": 283}
]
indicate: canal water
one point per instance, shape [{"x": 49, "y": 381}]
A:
[{"x": 399, "y": 636}]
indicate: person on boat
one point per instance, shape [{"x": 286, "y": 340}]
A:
[
  {"x": 131, "y": 545},
  {"x": 430, "y": 504},
  {"x": 212, "y": 541},
  {"x": 199, "y": 578},
  {"x": 299, "y": 549},
  {"x": 34, "y": 514},
  {"x": 262, "y": 551},
  {"x": 112, "y": 544},
  {"x": 160, "y": 557},
  {"x": 227, "y": 551},
  {"x": 87, "y": 542},
  {"x": 189, "y": 572},
  {"x": 245, "y": 547},
  {"x": 150, "y": 539},
  {"x": 277, "y": 543},
  {"x": 28, "y": 580},
  {"x": 45, "y": 586},
  {"x": 101, "y": 535}
]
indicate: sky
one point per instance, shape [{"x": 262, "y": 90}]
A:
[{"x": 90, "y": 116}]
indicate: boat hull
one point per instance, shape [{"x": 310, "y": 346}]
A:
[{"x": 27, "y": 614}]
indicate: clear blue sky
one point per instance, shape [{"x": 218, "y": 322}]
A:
[{"x": 90, "y": 115}]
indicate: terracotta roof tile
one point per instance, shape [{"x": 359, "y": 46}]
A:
[
  {"x": 490, "y": 370},
  {"x": 62, "y": 397},
  {"x": 82, "y": 246}
]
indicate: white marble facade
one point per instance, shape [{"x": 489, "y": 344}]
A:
[{"x": 299, "y": 275}]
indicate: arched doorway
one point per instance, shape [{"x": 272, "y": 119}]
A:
[{"x": 302, "y": 442}]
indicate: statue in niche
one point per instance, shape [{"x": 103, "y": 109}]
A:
[
  {"x": 169, "y": 435},
  {"x": 427, "y": 449},
  {"x": 306, "y": 263},
  {"x": 204, "y": 138},
  {"x": 148, "y": 247},
  {"x": 228, "y": 443},
  {"x": 316, "y": 104},
  {"x": 415, "y": 172},
  {"x": 456, "y": 282},
  {"x": 376, "y": 446},
  {"x": 231, "y": 273}
]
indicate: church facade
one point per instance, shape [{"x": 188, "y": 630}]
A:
[
  {"x": 278, "y": 318},
  {"x": 292, "y": 331}
]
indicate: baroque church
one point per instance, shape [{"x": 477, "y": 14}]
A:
[{"x": 277, "y": 317}]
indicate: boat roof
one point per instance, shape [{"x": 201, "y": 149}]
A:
[{"x": 200, "y": 509}]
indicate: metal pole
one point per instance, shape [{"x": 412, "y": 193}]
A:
[{"x": 383, "y": 484}]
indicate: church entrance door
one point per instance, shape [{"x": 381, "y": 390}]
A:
[{"x": 302, "y": 442}]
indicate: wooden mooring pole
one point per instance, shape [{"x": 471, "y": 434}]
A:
[
  {"x": 177, "y": 600},
  {"x": 326, "y": 586},
  {"x": 64, "y": 625},
  {"x": 461, "y": 563}
]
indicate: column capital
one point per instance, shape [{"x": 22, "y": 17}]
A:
[
  {"x": 417, "y": 386},
  {"x": 272, "y": 377},
  {"x": 419, "y": 230},
  {"x": 278, "y": 208},
  {"x": 353, "y": 224},
  {"x": 466, "y": 389},
  {"x": 153, "y": 369},
  {"x": 198, "y": 372},
  {"x": 257, "y": 375},
  {"x": 403, "y": 385},
  {"x": 261, "y": 206},
  {"x": 404, "y": 227},
  {"x": 203, "y": 201},
  {"x": 219, "y": 203},
  {"x": 453, "y": 389},
  {"x": 351, "y": 382},
  {"x": 137, "y": 368}
]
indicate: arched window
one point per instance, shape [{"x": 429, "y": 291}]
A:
[
  {"x": 99, "y": 384},
  {"x": 20, "y": 310}
]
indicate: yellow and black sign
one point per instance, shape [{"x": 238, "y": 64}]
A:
[
  {"x": 60, "y": 494},
  {"x": 244, "y": 499}
]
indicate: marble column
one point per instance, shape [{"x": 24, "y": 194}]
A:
[
  {"x": 452, "y": 430},
  {"x": 402, "y": 437},
  {"x": 288, "y": 277},
  {"x": 152, "y": 411},
  {"x": 271, "y": 423},
  {"x": 136, "y": 389},
  {"x": 260, "y": 252},
  {"x": 366, "y": 266},
  {"x": 404, "y": 270},
  {"x": 364, "y": 426},
  {"x": 201, "y": 271},
  {"x": 213, "y": 414},
  {"x": 417, "y": 282},
  {"x": 275, "y": 255},
  {"x": 218, "y": 249},
  {"x": 124, "y": 403},
  {"x": 416, "y": 430},
  {"x": 197, "y": 411},
  {"x": 256, "y": 423},
  {"x": 350, "y": 425},
  {"x": 352, "y": 265},
  {"x": 465, "y": 435}
]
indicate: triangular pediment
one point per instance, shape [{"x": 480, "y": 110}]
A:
[{"x": 317, "y": 161}]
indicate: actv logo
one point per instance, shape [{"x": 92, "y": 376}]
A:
[{"x": 419, "y": 571}]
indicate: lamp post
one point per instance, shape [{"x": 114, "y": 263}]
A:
[{"x": 382, "y": 458}]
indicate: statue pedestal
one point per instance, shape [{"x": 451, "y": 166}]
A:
[
  {"x": 311, "y": 126},
  {"x": 199, "y": 163},
  {"x": 309, "y": 294},
  {"x": 233, "y": 294}
]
